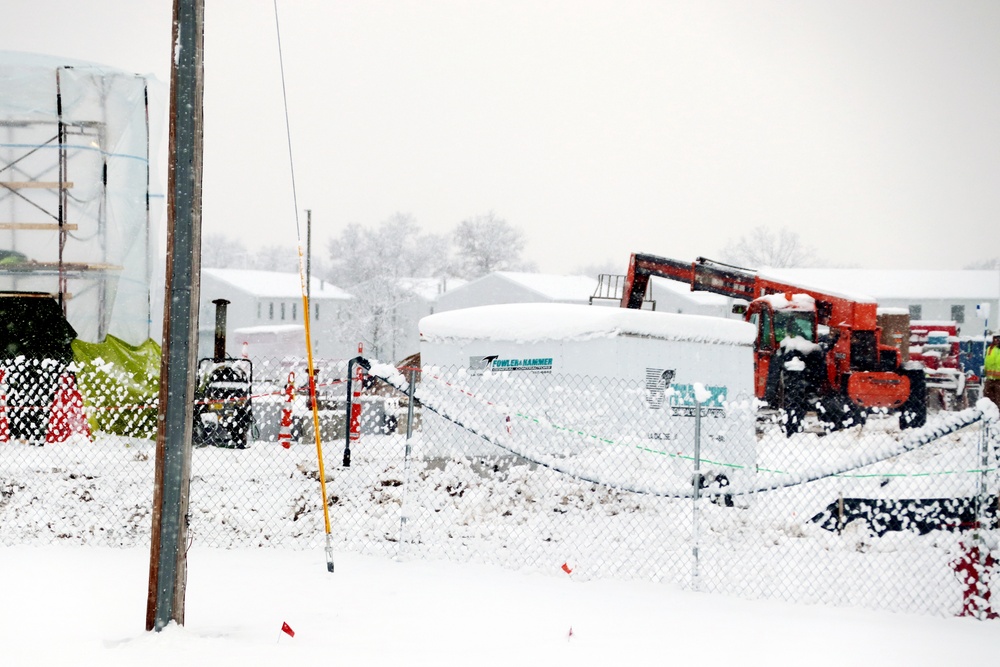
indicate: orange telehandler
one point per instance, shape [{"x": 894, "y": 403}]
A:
[{"x": 814, "y": 350}]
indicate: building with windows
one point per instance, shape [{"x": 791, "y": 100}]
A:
[
  {"x": 265, "y": 313},
  {"x": 926, "y": 294}
]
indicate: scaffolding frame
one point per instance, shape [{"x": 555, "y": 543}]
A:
[{"x": 42, "y": 187}]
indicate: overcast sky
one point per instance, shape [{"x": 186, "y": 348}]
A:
[{"x": 599, "y": 127}]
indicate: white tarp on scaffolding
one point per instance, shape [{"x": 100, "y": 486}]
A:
[{"x": 75, "y": 215}]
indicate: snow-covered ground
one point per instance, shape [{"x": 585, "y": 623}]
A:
[
  {"x": 474, "y": 573},
  {"x": 85, "y": 606},
  {"x": 504, "y": 513}
]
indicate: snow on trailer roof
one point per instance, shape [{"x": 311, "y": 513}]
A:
[
  {"x": 532, "y": 322},
  {"x": 271, "y": 328}
]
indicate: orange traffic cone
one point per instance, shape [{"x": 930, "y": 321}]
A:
[
  {"x": 66, "y": 417},
  {"x": 285, "y": 433},
  {"x": 4, "y": 421}
]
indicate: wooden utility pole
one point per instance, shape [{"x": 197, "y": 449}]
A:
[{"x": 168, "y": 541}]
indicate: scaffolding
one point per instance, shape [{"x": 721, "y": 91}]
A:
[{"x": 75, "y": 221}]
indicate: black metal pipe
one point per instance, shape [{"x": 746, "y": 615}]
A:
[{"x": 220, "y": 329}]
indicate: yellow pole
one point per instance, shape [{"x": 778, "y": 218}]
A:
[{"x": 315, "y": 410}]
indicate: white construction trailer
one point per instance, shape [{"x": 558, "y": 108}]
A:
[{"x": 581, "y": 389}]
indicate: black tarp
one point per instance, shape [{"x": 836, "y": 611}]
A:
[
  {"x": 919, "y": 515},
  {"x": 35, "y": 348}
]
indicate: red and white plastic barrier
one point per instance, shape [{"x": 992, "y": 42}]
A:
[
  {"x": 358, "y": 380},
  {"x": 975, "y": 571},
  {"x": 4, "y": 420},
  {"x": 285, "y": 433},
  {"x": 67, "y": 417}
]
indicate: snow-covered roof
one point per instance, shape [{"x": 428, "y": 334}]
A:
[
  {"x": 800, "y": 302},
  {"x": 430, "y": 289},
  {"x": 898, "y": 284},
  {"x": 531, "y": 322},
  {"x": 553, "y": 287},
  {"x": 684, "y": 290},
  {"x": 275, "y": 284}
]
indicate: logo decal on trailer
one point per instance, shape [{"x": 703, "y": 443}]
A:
[{"x": 495, "y": 363}]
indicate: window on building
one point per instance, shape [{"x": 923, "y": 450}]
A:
[
  {"x": 295, "y": 311},
  {"x": 282, "y": 311},
  {"x": 258, "y": 310},
  {"x": 915, "y": 311},
  {"x": 958, "y": 313},
  {"x": 316, "y": 315},
  {"x": 270, "y": 311}
]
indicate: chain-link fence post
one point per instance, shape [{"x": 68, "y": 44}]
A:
[
  {"x": 696, "y": 493},
  {"x": 406, "y": 461},
  {"x": 984, "y": 523}
]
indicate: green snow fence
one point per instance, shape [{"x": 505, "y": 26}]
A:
[{"x": 120, "y": 384}]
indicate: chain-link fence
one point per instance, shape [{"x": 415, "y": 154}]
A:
[{"x": 613, "y": 479}]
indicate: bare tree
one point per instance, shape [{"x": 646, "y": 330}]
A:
[
  {"x": 219, "y": 251},
  {"x": 607, "y": 266},
  {"x": 992, "y": 263},
  {"x": 284, "y": 259},
  {"x": 763, "y": 247},
  {"x": 488, "y": 243}
]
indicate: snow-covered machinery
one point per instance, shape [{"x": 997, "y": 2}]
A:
[
  {"x": 936, "y": 344},
  {"x": 223, "y": 407},
  {"x": 815, "y": 350}
]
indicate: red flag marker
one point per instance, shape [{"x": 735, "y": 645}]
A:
[
  {"x": 570, "y": 635},
  {"x": 287, "y": 629},
  {"x": 566, "y": 568}
]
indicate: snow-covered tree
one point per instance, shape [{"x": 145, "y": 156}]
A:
[
  {"x": 369, "y": 262},
  {"x": 397, "y": 248},
  {"x": 373, "y": 317},
  {"x": 764, "y": 247},
  {"x": 487, "y": 243}
]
